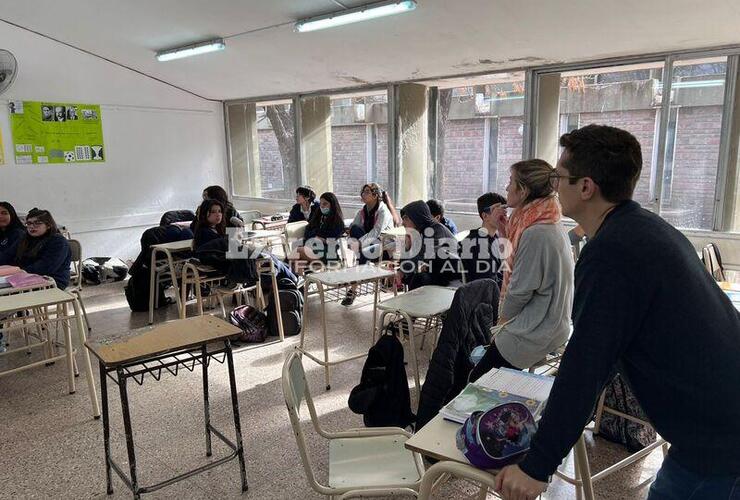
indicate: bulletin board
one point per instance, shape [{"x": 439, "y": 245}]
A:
[{"x": 52, "y": 132}]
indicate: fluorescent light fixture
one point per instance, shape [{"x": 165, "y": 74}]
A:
[
  {"x": 362, "y": 13},
  {"x": 191, "y": 50}
]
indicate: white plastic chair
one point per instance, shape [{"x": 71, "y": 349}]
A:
[{"x": 362, "y": 462}]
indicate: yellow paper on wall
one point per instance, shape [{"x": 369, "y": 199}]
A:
[{"x": 2, "y": 149}]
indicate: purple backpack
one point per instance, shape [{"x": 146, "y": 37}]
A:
[
  {"x": 497, "y": 437},
  {"x": 252, "y": 322}
]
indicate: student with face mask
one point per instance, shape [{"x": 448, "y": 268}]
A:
[{"x": 326, "y": 226}]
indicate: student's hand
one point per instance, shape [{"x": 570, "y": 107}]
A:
[
  {"x": 513, "y": 484},
  {"x": 498, "y": 212}
]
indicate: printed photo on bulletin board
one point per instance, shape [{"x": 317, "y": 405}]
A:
[{"x": 52, "y": 132}]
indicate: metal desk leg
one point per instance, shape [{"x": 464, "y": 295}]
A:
[
  {"x": 206, "y": 406},
  {"x": 412, "y": 352},
  {"x": 86, "y": 360},
  {"x": 581, "y": 463},
  {"x": 129, "y": 432},
  {"x": 376, "y": 287},
  {"x": 173, "y": 276},
  {"x": 67, "y": 328},
  {"x": 152, "y": 285},
  {"x": 326, "y": 340},
  {"x": 304, "y": 327},
  {"x": 237, "y": 421},
  {"x": 106, "y": 428}
]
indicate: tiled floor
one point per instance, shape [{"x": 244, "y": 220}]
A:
[{"x": 52, "y": 448}]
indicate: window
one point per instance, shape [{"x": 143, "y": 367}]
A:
[
  {"x": 479, "y": 134},
  {"x": 692, "y": 143},
  {"x": 359, "y": 142},
  {"x": 262, "y": 149},
  {"x": 627, "y": 97}
]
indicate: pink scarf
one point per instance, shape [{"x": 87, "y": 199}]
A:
[{"x": 540, "y": 211}]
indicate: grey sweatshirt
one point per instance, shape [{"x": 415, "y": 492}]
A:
[{"x": 539, "y": 298}]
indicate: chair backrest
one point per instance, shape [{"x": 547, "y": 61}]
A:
[
  {"x": 249, "y": 215},
  {"x": 295, "y": 230},
  {"x": 713, "y": 261},
  {"x": 76, "y": 271},
  {"x": 295, "y": 390}
]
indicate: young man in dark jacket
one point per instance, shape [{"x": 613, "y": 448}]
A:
[
  {"x": 644, "y": 305},
  {"x": 479, "y": 249}
]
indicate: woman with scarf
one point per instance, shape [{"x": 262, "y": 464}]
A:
[
  {"x": 537, "y": 291},
  {"x": 42, "y": 250}
]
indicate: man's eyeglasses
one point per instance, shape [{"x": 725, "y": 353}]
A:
[
  {"x": 555, "y": 179},
  {"x": 34, "y": 223}
]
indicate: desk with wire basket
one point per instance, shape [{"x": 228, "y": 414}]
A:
[
  {"x": 332, "y": 286},
  {"x": 167, "y": 348}
]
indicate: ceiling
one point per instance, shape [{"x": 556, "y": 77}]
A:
[{"x": 265, "y": 57}]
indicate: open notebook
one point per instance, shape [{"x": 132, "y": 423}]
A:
[{"x": 500, "y": 386}]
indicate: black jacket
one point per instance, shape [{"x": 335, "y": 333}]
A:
[
  {"x": 435, "y": 261},
  {"x": 645, "y": 304},
  {"x": 473, "y": 312},
  {"x": 480, "y": 262},
  {"x": 296, "y": 215},
  {"x": 52, "y": 258}
]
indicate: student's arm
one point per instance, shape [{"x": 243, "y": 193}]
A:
[
  {"x": 526, "y": 276},
  {"x": 295, "y": 214},
  {"x": 7, "y": 256},
  {"x": 51, "y": 258},
  {"x": 608, "y": 310}
]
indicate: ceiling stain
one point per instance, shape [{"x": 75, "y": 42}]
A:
[{"x": 351, "y": 79}]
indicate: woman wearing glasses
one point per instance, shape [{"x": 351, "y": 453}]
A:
[
  {"x": 42, "y": 250},
  {"x": 537, "y": 289}
]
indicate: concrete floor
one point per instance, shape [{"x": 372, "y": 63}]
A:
[{"x": 52, "y": 448}]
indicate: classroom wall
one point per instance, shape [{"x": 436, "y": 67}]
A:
[{"x": 163, "y": 146}]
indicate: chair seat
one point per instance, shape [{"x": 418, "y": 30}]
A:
[{"x": 377, "y": 461}]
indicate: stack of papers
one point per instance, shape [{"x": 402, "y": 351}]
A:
[
  {"x": 497, "y": 387},
  {"x": 23, "y": 280}
]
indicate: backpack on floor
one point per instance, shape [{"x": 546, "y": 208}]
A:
[
  {"x": 97, "y": 270},
  {"x": 619, "y": 396},
  {"x": 291, "y": 306},
  {"x": 382, "y": 396},
  {"x": 252, "y": 322},
  {"x": 137, "y": 291}
]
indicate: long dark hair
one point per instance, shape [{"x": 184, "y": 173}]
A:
[
  {"x": 217, "y": 193},
  {"x": 15, "y": 221},
  {"x": 203, "y": 211},
  {"x": 335, "y": 218},
  {"x": 30, "y": 246},
  {"x": 308, "y": 193},
  {"x": 385, "y": 198}
]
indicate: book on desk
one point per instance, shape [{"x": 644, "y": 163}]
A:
[{"x": 496, "y": 387}]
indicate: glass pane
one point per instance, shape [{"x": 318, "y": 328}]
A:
[
  {"x": 262, "y": 149},
  {"x": 359, "y": 142},
  {"x": 627, "y": 97},
  {"x": 276, "y": 135},
  {"x": 479, "y": 136},
  {"x": 692, "y": 143}
]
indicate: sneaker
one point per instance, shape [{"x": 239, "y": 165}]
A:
[{"x": 349, "y": 298}]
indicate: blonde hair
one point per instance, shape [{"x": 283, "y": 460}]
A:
[{"x": 535, "y": 175}]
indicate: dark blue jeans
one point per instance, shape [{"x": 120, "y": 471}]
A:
[{"x": 674, "y": 482}]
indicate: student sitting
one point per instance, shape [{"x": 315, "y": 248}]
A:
[
  {"x": 376, "y": 215},
  {"x": 438, "y": 212},
  {"x": 479, "y": 249},
  {"x": 42, "y": 250},
  {"x": 229, "y": 212},
  {"x": 211, "y": 246},
  {"x": 306, "y": 205},
  {"x": 537, "y": 290},
  {"x": 11, "y": 227},
  {"x": 321, "y": 239},
  {"x": 435, "y": 261}
]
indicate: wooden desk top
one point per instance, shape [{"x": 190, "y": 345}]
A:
[
  {"x": 349, "y": 275},
  {"x": 175, "y": 246},
  {"x": 437, "y": 440},
  {"x": 422, "y": 302},
  {"x": 36, "y": 298},
  {"x": 161, "y": 339}
]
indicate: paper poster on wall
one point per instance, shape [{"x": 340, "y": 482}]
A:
[{"x": 52, "y": 132}]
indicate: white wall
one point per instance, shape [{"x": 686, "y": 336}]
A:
[{"x": 163, "y": 146}]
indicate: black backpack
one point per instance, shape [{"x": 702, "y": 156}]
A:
[
  {"x": 176, "y": 216},
  {"x": 137, "y": 291},
  {"x": 382, "y": 397},
  {"x": 291, "y": 306},
  {"x": 619, "y": 396}
]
